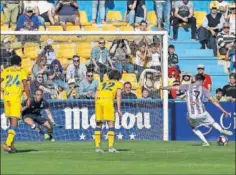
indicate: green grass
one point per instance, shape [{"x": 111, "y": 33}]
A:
[{"x": 136, "y": 157}]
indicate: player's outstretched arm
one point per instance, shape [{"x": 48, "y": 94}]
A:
[
  {"x": 217, "y": 104},
  {"x": 119, "y": 98},
  {"x": 49, "y": 115},
  {"x": 169, "y": 88}
]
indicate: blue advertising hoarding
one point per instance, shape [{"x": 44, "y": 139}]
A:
[{"x": 182, "y": 130}]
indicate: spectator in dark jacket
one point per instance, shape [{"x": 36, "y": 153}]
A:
[
  {"x": 229, "y": 90},
  {"x": 127, "y": 94}
]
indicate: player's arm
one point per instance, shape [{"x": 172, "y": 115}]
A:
[
  {"x": 27, "y": 92},
  {"x": 217, "y": 104},
  {"x": 49, "y": 115},
  {"x": 119, "y": 98},
  {"x": 169, "y": 88}
]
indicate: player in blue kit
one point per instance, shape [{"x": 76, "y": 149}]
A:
[{"x": 32, "y": 116}]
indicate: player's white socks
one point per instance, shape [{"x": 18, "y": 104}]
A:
[
  {"x": 200, "y": 135},
  {"x": 217, "y": 127}
]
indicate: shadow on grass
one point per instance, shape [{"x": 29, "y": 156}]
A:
[
  {"x": 26, "y": 151},
  {"x": 123, "y": 150}
]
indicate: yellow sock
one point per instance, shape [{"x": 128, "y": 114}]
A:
[
  {"x": 111, "y": 138},
  {"x": 10, "y": 137},
  {"x": 97, "y": 138}
]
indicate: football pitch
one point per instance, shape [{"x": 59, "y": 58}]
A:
[{"x": 135, "y": 157}]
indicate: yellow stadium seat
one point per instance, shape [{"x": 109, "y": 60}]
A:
[
  {"x": 84, "y": 60},
  {"x": 84, "y": 18},
  {"x": 64, "y": 62},
  {"x": 55, "y": 28},
  {"x": 108, "y": 28},
  {"x": 152, "y": 18},
  {"x": 96, "y": 77},
  {"x": 2, "y": 18},
  {"x": 131, "y": 78},
  {"x": 199, "y": 15},
  {"x": 41, "y": 28},
  {"x": 84, "y": 49},
  {"x": 27, "y": 64},
  {"x": 4, "y": 28},
  {"x": 126, "y": 28},
  {"x": 47, "y": 23},
  {"x": 139, "y": 92},
  {"x": 91, "y": 28},
  {"x": 73, "y": 28},
  {"x": 31, "y": 50},
  {"x": 69, "y": 24},
  {"x": 66, "y": 50},
  {"x": 114, "y": 15}
]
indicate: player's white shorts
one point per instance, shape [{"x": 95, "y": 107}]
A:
[{"x": 201, "y": 119}]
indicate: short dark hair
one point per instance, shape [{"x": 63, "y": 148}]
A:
[
  {"x": 171, "y": 46},
  {"x": 232, "y": 75},
  {"x": 143, "y": 21},
  {"x": 114, "y": 75},
  {"x": 199, "y": 77},
  {"x": 128, "y": 83},
  {"x": 76, "y": 56},
  {"x": 16, "y": 60},
  {"x": 144, "y": 89},
  {"x": 219, "y": 90},
  {"x": 38, "y": 90}
]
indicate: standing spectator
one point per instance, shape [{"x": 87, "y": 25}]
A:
[
  {"x": 101, "y": 5},
  {"x": 73, "y": 88},
  {"x": 67, "y": 11},
  {"x": 207, "y": 83},
  {"x": 155, "y": 62},
  {"x": 163, "y": 7},
  {"x": 11, "y": 10},
  {"x": 222, "y": 6},
  {"x": 76, "y": 70},
  {"x": 212, "y": 24},
  {"x": 99, "y": 56},
  {"x": 56, "y": 74},
  {"x": 40, "y": 67},
  {"x": 219, "y": 95},
  {"x": 28, "y": 22},
  {"x": 46, "y": 11},
  {"x": 88, "y": 87},
  {"x": 225, "y": 39},
  {"x": 231, "y": 57},
  {"x": 136, "y": 11},
  {"x": 126, "y": 93},
  {"x": 184, "y": 14},
  {"x": 119, "y": 56},
  {"x": 173, "y": 58},
  {"x": 229, "y": 90},
  {"x": 231, "y": 17}
]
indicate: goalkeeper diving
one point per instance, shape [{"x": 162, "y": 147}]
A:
[{"x": 31, "y": 115}]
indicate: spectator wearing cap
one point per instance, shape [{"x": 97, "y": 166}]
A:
[
  {"x": 88, "y": 86},
  {"x": 219, "y": 95},
  {"x": 11, "y": 10},
  {"x": 212, "y": 24},
  {"x": 225, "y": 39},
  {"x": 184, "y": 14},
  {"x": 76, "y": 70},
  {"x": 73, "y": 89},
  {"x": 28, "y": 22},
  {"x": 102, "y": 10},
  {"x": 229, "y": 90},
  {"x": 126, "y": 93},
  {"x": 67, "y": 11},
  {"x": 207, "y": 83},
  {"x": 136, "y": 11},
  {"x": 231, "y": 17}
]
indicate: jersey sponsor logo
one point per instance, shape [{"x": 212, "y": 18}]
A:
[{"x": 77, "y": 118}]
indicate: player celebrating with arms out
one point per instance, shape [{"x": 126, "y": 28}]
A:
[
  {"x": 105, "y": 110},
  {"x": 32, "y": 115},
  {"x": 14, "y": 82},
  {"x": 197, "y": 114}
]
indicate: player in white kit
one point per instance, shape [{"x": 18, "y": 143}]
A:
[{"x": 197, "y": 114}]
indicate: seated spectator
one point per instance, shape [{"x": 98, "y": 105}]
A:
[
  {"x": 61, "y": 93},
  {"x": 173, "y": 58},
  {"x": 186, "y": 79},
  {"x": 67, "y": 11},
  {"x": 53, "y": 91},
  {"x": 212, "y": 24},
  {"x": 40, "y": 67},
  {"x": 184, "y": 14},
  {"x": 219, "y": 95},
  {"x": 176, "y": 94},
  {"x": 230, "y": 89},
  {"x": 231, "y": 17},
  {"x": 46, "y": 11},
  {"x": 73, "y": 89},
  {"x": 88, "y": 86},
  {"x": 56, "y": 74},
  {"x": 155, "y": 61},
  {"x": 28, "y": 22},
  {"x": 231, "y": 57},
  {"x": 126, "y": 93},
  {"x": 172, "y": 77},
  {"x": 145, "y": 94},
  {"x": 136, "y": 11},
  {"x": 207, "y": 82},
  {"x": 225, "y": 39},
  {"x": 11, "y": 10},
  {"x": 142, "y": 56},
  {"x": 39, "y": 83},
  {"x": 143, "y": 25},
  {"x": 102, "y": 10},
  {"x": 76, "y": 70},
  {"x": 222, "y": 6},
  {"x": 99, "y": 56},
  {"x": 120, "y": 56},
  {"x": 163, "y": 13}
]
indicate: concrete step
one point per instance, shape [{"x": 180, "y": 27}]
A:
[
  {"x": 194, "y": 61},
  {"x": 194, "y": 52}
]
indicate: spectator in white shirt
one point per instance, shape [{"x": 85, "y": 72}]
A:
[
  {"x": 76, "y": 70},
  {"x": 231, "y": 17},
  {"x": 46, "y": 11},
  {"x": 222, "y": 6},
  {"x": 155, "y": 62}
]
